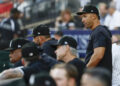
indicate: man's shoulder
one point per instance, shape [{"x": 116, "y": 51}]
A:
[
  {"x": 34, "y": 66},
  {"x": 47, "y": 42},
  {"x": 45, "y": 45},
  {"x": 103, "y": 30},
  {"x": 50, "y": 42},
  {"x": 48, "y": 58},
  {"x": 6, "y": 20},
  {"x": 77, "y": 61},
  {"x": 17, "y": 64}
]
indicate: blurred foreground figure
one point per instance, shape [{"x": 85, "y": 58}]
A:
[
  {"x": 64, "y": 75},
  {"x": 42, "y": 79},
  {"x": 96, "y": 77}
]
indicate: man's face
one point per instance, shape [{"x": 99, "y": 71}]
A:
[
  {"x": 15, "y": 55},
  {"x": 61, "y": 52},
  {"x": 59, "y": 75},
  {"x": 37, "y": 40},
  {"x": 87, "y": 20},
  {"x": 88, "y": 80}
]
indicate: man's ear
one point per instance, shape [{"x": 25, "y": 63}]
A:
[
  {"x": 23, "y": 61},
  {"x": 94, "y": 16},
  {"x": 72, "y": 81},
  {"x": 68, "y": 47}
]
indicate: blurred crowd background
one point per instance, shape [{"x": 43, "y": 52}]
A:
[{"x": 57, "y": 14}]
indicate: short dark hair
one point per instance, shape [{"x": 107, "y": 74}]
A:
[
  {"x": 69, "y": 68},
  {"x": 101, "y": 74}
]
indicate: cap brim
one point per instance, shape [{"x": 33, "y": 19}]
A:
[
  {"x": 56, "y": 44},
  {"x": 30, "y": 35},
  {"x": 9, "y": 49},
  {"x": 80, "y": 13}
]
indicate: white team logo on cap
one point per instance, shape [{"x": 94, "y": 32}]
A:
[
  {"x": 92, "y": 11},
  {"x": 47, "y": 82},
  {"x": 30, "y": 54},
  {"x": 66, "y": 42},
  {"x": 10, "y": 44},
  {"x": 19, "y": 46},
  {"x": 32, "y": 79},
  {"x": 38, "y": 33}
]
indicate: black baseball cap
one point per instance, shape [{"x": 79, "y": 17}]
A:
[
  {"x": 68, "y": 40},
  {"x": 30, "y": 50},
  {"x": 89, "y": 9},
  {"x": 40, "y": 30},
  {"x": 42, "y": 79},
  {"x": 17, "y": 43}
]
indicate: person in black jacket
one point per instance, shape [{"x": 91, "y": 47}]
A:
[
  {"x": 42, "y": 37},
  {"x": 67, "y": 52},
  {"x": 98, "y": 53},
  {"x": 9, "y": 28},
  {"x": 15, "y": 51},
  {"x": 33, "y": 64}
]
